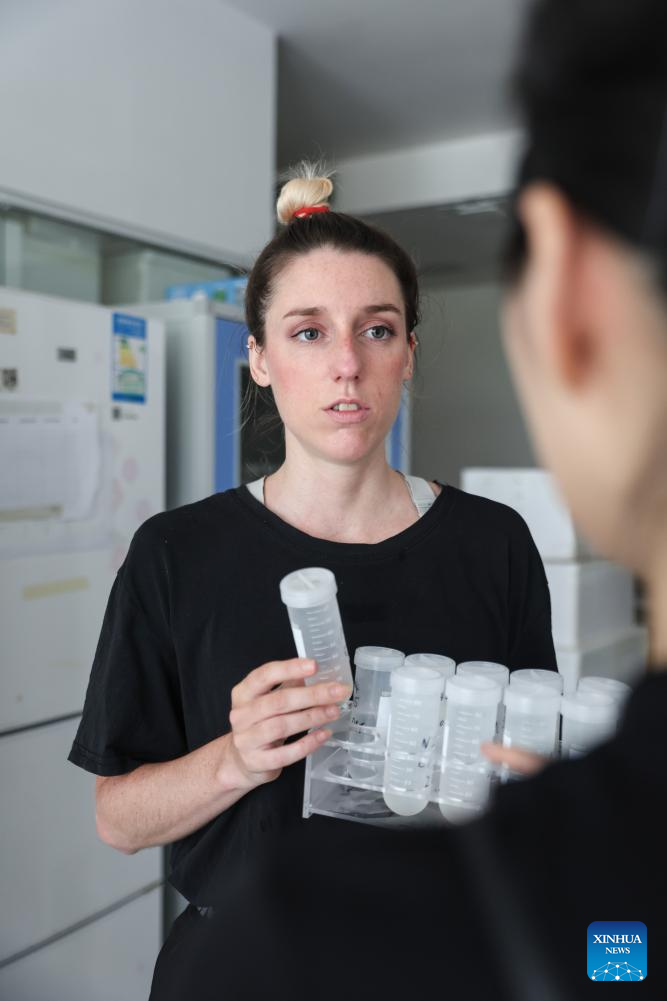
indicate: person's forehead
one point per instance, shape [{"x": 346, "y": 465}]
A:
[{"x": 324, "y": 273}]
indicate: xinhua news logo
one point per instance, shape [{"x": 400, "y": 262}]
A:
[{"x": 616, "y": 950}]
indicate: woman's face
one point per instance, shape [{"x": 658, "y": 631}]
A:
[{"x": 336, "y": 353}]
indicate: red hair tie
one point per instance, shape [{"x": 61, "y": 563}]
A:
[{"x": 309, "y": 210}]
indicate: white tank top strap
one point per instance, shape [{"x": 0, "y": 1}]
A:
[
  {"x": 421, "y": 493},
  {"x": 256, "y": 488}
]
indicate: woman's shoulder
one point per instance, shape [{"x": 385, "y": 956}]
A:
[
  {"x": 189, "y": 526},
  {"x": 485, "y": 516}
]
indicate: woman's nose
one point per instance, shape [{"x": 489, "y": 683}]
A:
[{"x": 346, "y": 360}]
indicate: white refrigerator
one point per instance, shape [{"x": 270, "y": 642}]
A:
[{"x": 82, "y": 446}]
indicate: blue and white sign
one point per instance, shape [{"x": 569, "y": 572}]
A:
[
  {"x": 616, "y": 950},
  {"x": 129, "y": 359}
]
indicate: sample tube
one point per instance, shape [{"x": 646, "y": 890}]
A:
[
  {"x": 446, "y": 667},
  {"x": 608, "y": 686},
  {"x": 415, "y": 711},
  {"x": 531, "y": 720},
  {"x": 465, "y": 775},
  {"x": 373, "y": 667},
  {"x": 537, "y": 676},
  {"x": 310, "y": 596},
  {"x": 369, "y": 716},
  {"x": 498, "y": 673},
  {"x": 589, "y": 718}
]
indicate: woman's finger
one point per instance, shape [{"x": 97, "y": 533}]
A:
[
  {"x": 265, "y": 678},
  {"x": 272, "y": 759},
  {"x": 284, "y": 701},
  {"x": 279, "y": 728},
  {"x": 287, "y": 754},
  {"x": 514, "y": 758}
]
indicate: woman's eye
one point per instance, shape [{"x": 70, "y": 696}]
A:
[
  {"x": 309, "y": 334},
  {"x": 378, "y": 333}
]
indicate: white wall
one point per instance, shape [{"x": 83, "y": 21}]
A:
[
  {"x": 150, "y": 117},
  {"x": 465, "y": 411}
]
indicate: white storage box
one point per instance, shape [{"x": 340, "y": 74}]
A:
[
  {"x": 622, "y": 658},
  {"x": 144, "y": 275},
  {"x": 589, "y": 602},
  {"x": 533, "y": 493},
  {"x": 44, "y": 255}
]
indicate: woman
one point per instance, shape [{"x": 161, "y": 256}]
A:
[
  {"x": 196, "y": 708},
  {"x": 500, "y": 909}
]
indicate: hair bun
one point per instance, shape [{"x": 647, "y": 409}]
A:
[{"x": 308, "y": 185}]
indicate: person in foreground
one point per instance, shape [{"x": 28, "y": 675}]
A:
[{"x": 500, "y": 908}]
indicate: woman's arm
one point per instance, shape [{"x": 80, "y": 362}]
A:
[{"x": 159, "y": 803}]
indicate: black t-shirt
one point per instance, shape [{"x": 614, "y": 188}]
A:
[{"x": 196, "y": 607}]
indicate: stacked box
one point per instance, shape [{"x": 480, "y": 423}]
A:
[{"x": 592, "y": 600}]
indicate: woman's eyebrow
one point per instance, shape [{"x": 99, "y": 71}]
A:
[
  {"x": 304, "y": 311},
  {"x": 382, "y": 307}
]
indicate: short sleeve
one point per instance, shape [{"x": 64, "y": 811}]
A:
[
  {"x": 530, "y": 639},
  {"x": 132, "y": 712}
]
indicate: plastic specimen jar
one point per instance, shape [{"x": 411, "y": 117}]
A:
[
  {"x": 465, "y": 775},
  {"x": 589, "y": 718},
  {"x": 446, "y": 667},
  {"x": 413, "y": 731},
  {"x": 372, "y": 687},
  {"x": 310, "y": 596},
  {"x": 369, "y": 717},
  {"x": 537, "y": 676},
  {"x": 618, "y": 690},
  {"x": 498, "y": 673},
  {"x": 532, "y": 718}
]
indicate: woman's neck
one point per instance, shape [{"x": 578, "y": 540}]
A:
[{"x": 363, "y": 502}]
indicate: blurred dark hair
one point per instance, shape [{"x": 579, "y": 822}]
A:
[{"x": 591, "y": 84}]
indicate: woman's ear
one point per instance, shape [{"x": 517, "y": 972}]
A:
[
  {"x": 556, "y": 311},
  {"x": 410, "y": 367},
  {"x": 257, "y": 363}
]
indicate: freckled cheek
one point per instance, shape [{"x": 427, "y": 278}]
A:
[
  {"x": 292, "y": 385},
  {"x": 295, "y": 383},
  {"x": 395, "y": 373}
]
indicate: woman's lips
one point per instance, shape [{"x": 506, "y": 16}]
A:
[{"x": 348, "y": 416}]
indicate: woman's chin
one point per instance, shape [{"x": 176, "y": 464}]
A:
[
  {"x": 344, "y": 446},
  {"x": 349, "y": 449}
]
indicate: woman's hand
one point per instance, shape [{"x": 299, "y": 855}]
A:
[
  {"x": 161, "y": 802},
  {"x": 273, "y": 703},
  {"x": 522, "y": 762}
]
